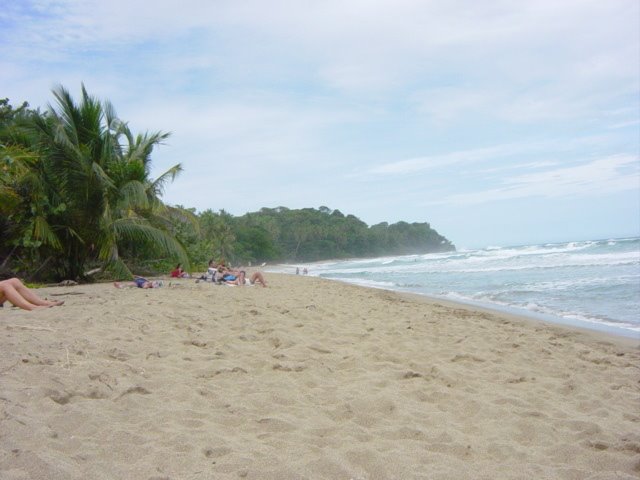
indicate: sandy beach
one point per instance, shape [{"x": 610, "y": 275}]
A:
[{"x": 307, "y": 379}]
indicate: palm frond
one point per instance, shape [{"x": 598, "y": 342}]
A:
[
  {"x": 42, "y": 231},
  {"x": 68, "y": 115},
  {"x": 9, "y": 200},
  {"x": 101, "y": 176},
  {"x": 133, "y": 195},
  {"x": 110, "y": 116},
  {"x": 119, "y": 270},
  {"x": 136, "y": 230},
  {"x": 141, "y": 147},
  {"x": 158, "y": 185}
]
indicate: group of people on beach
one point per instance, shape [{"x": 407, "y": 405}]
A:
[
  {"x": 218, "y": 272},
  {"x": 18, "y": 294}
]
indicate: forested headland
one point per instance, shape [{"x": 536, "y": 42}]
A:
[{"x": 77, "y": 201}]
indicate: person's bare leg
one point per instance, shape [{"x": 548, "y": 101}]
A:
[
  {"x": 9, "y": 293},
  {"x": 29, "y": 296},
  {"x": 258, "y": 277}
]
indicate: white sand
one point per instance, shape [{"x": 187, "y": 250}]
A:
[{"x": 307, "y": 379}]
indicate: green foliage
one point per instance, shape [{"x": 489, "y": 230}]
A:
[
  {"x": 77, "y": 185},
  {"x": 307, "y": 234}
]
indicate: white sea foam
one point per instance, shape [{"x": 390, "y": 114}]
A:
[
  {"x": 590, "y": 281},
  {"x": 549, "y": 314}
]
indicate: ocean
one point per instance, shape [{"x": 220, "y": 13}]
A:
[{"x": 592, "y": 284}]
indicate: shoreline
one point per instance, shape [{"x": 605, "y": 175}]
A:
[
  {"x": 515, "y": 314},
  {"x": 605, "y": 329},
  {"x": 624, "y": 337},
  {"x": 307, "y": 379},
  {"x": 528, "y": 316}
]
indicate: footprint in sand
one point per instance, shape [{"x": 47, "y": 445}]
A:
[
  {"x": 230, "y": 370},
  {"x": 118, "y": 354},
  {"x": 59, "y": 398},
  {"x": 137, "y": 389},
  {"x": 319, "y": 349},
  {"x": 472, "y": 358},
  {"x": 276, "y": 425},
  {"x": 216, "y": 452},
  {"x": 517, "y": 380},
  {"x": 285, "y": 368}
]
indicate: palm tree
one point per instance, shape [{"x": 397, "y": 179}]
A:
[
  {"x": 97, "y": 179},
  {"x": 23, "y": 204}
]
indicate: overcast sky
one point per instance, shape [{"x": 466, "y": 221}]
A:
[{"x": 498, "y": 122}]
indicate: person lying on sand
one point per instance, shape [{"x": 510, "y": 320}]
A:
[
  {"x": 139, "y": 282},
  {"x": 241, "y": 279},
  {"x": 224, "y": 274},
  {"x": 14, "y": 291}
]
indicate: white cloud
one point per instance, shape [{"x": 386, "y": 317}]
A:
[
  {"x": 419, "y": 164},
  {"x": 501, "y": 156},
  {"x": 599, "y": 177},
  {"x": 384, "y": 40},
  {"x": 630, "y": 123}
]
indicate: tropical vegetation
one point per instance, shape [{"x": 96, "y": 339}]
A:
[
  {"x": 76, "y": 188},
  {"x": 77, "y": 201}
]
